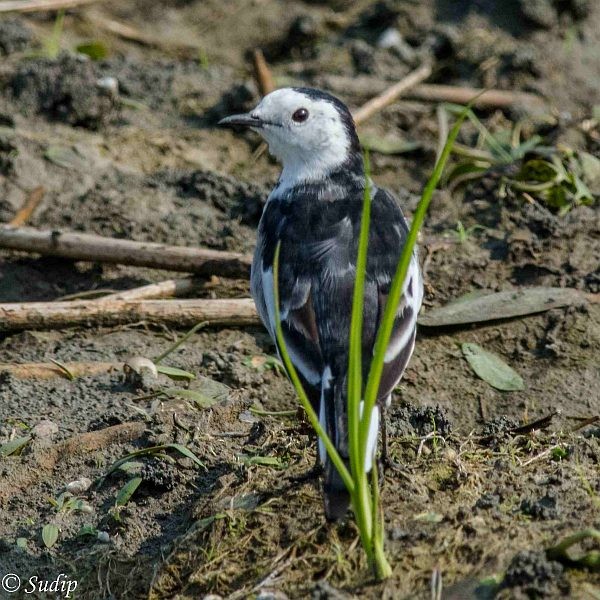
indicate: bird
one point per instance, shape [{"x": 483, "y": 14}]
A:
[{"x": 314, "y": 213}]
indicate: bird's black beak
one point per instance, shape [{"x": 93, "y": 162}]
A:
[{"x": 244, "y": 120}]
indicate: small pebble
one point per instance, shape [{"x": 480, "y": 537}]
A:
[
  {"x": 390, "y": 38},
  {"x": 45, "y": 429},
  {"x": 103, "y": 537},
  {"x": 109, "y": 85},
  {"x": 139, "y": 364},
  {"x": 79, "y": 485}
]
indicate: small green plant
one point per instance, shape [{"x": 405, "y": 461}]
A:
[
  {"x": 557, "y": 178},
  {"x": 463, "y": 233},
  {"x": 68, "y": 503},
  {"x": 364, "y": 490},
  {"x": 51, "y": 45}
]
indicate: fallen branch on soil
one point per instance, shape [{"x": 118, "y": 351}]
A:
[
  {"x": 43, "y": 462},
  {"x": 263, "y": 75},
  {"x": 33, "y": 200},
  {"x": 492, "y": 98},
  {"x": 163, "y": 289},
  {"x": 40, "y": 5},
  {"x": 95, "y": 248},
  {"x": 391, "y": 94},
  {"x": 52, "y": 370},
  {"x": 181, "y": 313}
]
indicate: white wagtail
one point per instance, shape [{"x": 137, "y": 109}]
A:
[{"x": 315, "y": 211}]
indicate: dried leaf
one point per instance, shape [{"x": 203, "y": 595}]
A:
[
  {"x": 501, "y": 305},
  {"x": 492, "y": 369},
  {"x": 385, "y": 145},
  {"x": 429, "y": 517}
]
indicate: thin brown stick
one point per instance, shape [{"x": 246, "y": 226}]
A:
[
  {"x": 493, "y": 98},
  {"x": 163, "y": 289},
  {"x": 391, "y": 94},
  {"x": 180, "y": 313},
  {"x": 263, "y": 74},
  {"x": 26, "y": 6},
  {"x": 95, "y": 248},
  {"x": 33, "y": 200},
  {"x": 463, "y": 95},
  {"x": 127, "y": 32},
  {"x": 52, "y": 371},
  {"x": 45, "y": 460}
]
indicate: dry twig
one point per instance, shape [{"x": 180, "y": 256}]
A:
[
  {"x": 366, "y": 86},
  {"x": 33, "y": 200},
  {"x": 95, "y": 248},
  {"x": 182, "y": 313},
  {"x": 163, "y": 289},
  {"x": 391, "y": 94},
  {"x": 52, "y": 370},
  {"x": 127, "y": 32},
  {"x": 25, "y": 6},
  {"x": 264, "y": 78}
]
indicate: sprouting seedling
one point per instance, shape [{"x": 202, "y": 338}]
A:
[
  {"x": 364, "y": 492},
  {"x": 51, "y": 44},
  {"x": 463, "y": 233}
]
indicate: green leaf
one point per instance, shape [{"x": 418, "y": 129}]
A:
[
  {"x": 14, "y": 446},
  {"x": 265, "y": 461},
  {"x": 49, "y": 535},
  {"x": 198, "y": 397},
  {"x": 150, "y": 451},
  {"x": 175, "y": 373},
  {"x": 127, "y": 491},
  {"x": 492, "y": 369},
  {"x": 21, "y": 542},
  {"x": 95, "y": 50},
  {"x": 87, "y": 529},
  {"x": 133, "y": 467},
  {"x": 538, "y": 171},
  {"x": 64, "y": 156},
  {"x": 590, "y": 170}
]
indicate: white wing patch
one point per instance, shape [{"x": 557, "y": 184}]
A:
[
  {"x": 413, "y": 296},
  {"x": 371, "y": 437}
]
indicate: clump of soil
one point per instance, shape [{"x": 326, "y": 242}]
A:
[
  {"x": 531, "y": 575},
  {"x": 15, "y": 36},
  {"x": 65, "y": 89}
]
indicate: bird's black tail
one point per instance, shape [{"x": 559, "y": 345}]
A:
[{"x": 334, "y": 417}]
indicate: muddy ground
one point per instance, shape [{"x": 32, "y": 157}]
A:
[{"x": 475, "y": 500}]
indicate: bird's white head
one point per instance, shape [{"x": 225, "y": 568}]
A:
[{"x": 311, "y": 132}]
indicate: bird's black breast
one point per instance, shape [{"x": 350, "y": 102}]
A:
[{"x": 317, "y": 233}]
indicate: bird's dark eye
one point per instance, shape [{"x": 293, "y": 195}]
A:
[{"x": 300, "y": 115}]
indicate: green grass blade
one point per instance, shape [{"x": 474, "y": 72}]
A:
[
  {"x": 356, "y": 330},
  {"x": 387, "y": 322}
]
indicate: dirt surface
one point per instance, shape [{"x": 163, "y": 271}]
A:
[{"x": 126, "y": 146}]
